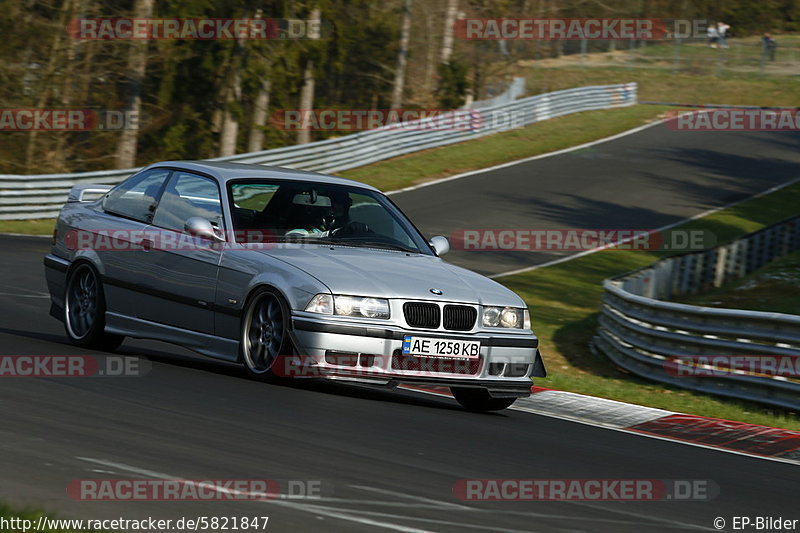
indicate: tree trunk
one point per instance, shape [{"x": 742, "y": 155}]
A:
[
  {"x": 430, "y": 60},
  {"x": 68, "y": 89},
  {"x": 447, "y": 39},
  {"x": 260, "y": 109},
  {"x": 307, "y": 93},
  {"x": 402, "y": 57},
  {"x": 230, "y": 123},
  {"x": 137, "y": 65}
]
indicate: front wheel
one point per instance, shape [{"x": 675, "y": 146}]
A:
[
  {"x": 265, "y": 337},
  {"x": 479, "y": 400},
  {"x": 85, "y": 311}
]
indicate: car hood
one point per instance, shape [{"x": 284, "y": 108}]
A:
[{"x": 391, "y": 274}]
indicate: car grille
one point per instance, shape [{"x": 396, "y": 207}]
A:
[
  {"x": 422, "y": 315},
  {"x": 459, "y": 317}
]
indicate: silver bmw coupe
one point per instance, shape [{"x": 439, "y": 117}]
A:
[{"x": 293, "y": 274}]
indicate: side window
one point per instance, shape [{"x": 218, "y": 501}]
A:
[
  {"x": 188, "y": 195},
  {"x": 136, "y": 198}
]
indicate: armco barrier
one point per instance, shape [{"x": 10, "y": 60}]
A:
[
  {"x": 649, "y": 337},
  {"x": 41, "y": 196}
]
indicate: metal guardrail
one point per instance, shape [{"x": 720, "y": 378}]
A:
[
  {"x": 41, "y": 196},
  {"x": 663, "y": 340}
]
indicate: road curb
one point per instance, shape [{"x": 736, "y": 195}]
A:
[{"x": 727, "y": 435}]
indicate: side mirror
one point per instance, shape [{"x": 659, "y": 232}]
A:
[
  {"x": 440, "y": 245},
  {"x": 200, "y": 227}
]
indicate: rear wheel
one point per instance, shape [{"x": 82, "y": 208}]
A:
[
  {"x": 265, "y": 337},
  {"x": 479, "y": 400},
  {"x": 85, "y": 311}
]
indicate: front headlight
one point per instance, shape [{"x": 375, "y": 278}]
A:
[
  {"x": 357, "y": 306},
  {"x": 506, "y": 317}
]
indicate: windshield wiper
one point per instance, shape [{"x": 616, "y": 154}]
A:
[{"x": 377, "y": 244}]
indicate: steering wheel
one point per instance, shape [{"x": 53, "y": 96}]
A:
[{"x": 351, "y": 228}]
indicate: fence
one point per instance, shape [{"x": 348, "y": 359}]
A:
[
  {"x": 41, "y": 196},
  {"x": 659, "y": 340},
  {"x": 688, "y": 56}
]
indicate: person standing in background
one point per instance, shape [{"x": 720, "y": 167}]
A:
[
  {"x": 768, "y": 46},
  {"x": 722, "y": 33},
  {"x": 713, "y": 35}
]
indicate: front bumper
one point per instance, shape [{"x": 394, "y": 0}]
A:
[{"x": 372, "y": 353}]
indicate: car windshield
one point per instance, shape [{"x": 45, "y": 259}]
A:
[{"x": 310, "y": 212}]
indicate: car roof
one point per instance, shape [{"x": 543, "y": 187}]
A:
[{"x": 225, "y": 172}]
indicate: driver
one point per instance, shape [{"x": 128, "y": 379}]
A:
[{"x": 325, "y": 219}]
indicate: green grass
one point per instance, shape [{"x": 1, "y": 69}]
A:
[
  {"x": 775, "y": 288},
  {"x": 661, "y": 85},
  {"x": 564, "y": 300},
  {"x": 742, "y": 55},
  {"x": 28, "y": 227}
]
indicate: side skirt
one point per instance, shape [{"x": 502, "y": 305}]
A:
[{"x": 210, "y": 345}]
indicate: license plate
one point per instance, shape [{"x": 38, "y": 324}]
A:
[{"x": 433, "y": 347}]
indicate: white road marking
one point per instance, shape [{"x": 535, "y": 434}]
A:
[
  {"x": 528, "y": 159},
  {"x": 410, "y": 497},
  {"x": 281, "y": 503},
  {"x": 646, "y": 517},
  {"x": 649, "y": 520},
  {"x": 348, "y": 514},
  {"x": 440, "y": 522},
  {"x": 29, "y": 293},
  {"x": 662, "y": 228}
]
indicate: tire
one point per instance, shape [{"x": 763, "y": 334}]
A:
[
  {"x": 479, "y": 400},
  {"x": 85, "y": 311},
  {"x": 265, "y": 334}
]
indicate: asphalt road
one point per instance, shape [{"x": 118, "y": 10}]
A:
[
  {"x": 387, "y": 461},
  {"x": 655, "y": 177}
]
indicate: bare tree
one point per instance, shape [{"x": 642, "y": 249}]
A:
[
  {"x": 402, "y": 57},
  {"x": 255, "y": 140},
  {"x": 447, "y": 39},
  {"x": 230, "y": 122},
  {"x": 307, "y": 92},
  {"x": 260, "y": 109},
  {"x": 137, "y": 65}
]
